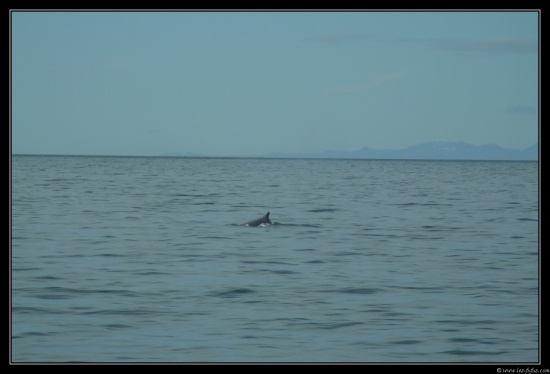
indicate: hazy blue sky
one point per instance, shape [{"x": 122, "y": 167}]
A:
[{"x": 249, "y": 83}]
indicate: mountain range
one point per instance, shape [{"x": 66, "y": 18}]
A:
[
  {"x": 425, "y": 151},
  {"x": 429, "y": 151}
]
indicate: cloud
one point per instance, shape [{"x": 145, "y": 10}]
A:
[
  {"x": 522, "y": 109},
  {"x": 335, "y": 38},
  {"x": 361, "y": 87},
  {"x": 494, "y": 45}
]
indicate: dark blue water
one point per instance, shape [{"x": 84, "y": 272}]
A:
[{"x": 143, "y": 259}]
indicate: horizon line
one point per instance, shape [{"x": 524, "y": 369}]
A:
[
  {"x": 298, "y": 155},
  {"x": 269, "y": 157}
]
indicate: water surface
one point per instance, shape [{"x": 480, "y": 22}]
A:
[{"x": 131, "y": 259}]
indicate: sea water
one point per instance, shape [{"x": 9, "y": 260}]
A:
[{"x": 144, "y": 259}]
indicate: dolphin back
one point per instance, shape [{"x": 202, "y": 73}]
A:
[{"x": 258, "y": 221}]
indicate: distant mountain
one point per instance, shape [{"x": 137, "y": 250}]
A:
[
  {"x": 428, "y": 151},
  {"x": 177, "y": 154}
]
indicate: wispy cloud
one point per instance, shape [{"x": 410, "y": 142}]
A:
[
  {"x": 335, "y": 38},
  {"x": 361, "y": 87},
  {"x": 522, "y": 109},
  {"x": 491, "y": 45},
  {"x": 494, "y": 45}
]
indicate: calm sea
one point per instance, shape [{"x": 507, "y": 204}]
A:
[{"x": 136, "y": 259}]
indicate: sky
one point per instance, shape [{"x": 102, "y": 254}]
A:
[{"x": 251, "y": 83}]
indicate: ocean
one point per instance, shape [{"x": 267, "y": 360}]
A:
[{"x": 145, "y": 259}]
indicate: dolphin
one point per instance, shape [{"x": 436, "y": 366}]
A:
[{"x": 258, "y": 221}]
